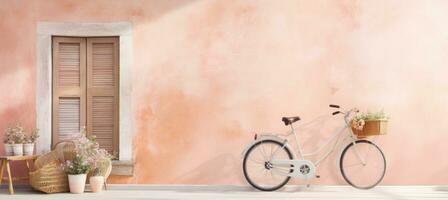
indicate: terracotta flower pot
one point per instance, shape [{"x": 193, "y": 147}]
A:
[
  {"x": 9, "y": 150},
  {"x": 28, "y": 149},
  {"x": 77, "y": 183},
  {"x": 96, "y": 183},
  {"x": 18, "y": 149}
]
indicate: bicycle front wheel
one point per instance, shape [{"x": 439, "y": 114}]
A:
[
  {"x": 363, "y": 164},
  {"x": 258, "y": 169}
]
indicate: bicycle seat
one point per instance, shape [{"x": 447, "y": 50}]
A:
[{"x": 290, "y": 120}]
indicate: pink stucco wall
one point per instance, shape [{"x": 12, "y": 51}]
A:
[{"x": 210, "y": 73}]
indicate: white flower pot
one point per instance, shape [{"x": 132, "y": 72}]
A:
[
  {"x": 9, "y": 150},
  {"x": 96, "y": 183},
  {"x": 77, "y": 183},
  {"x": 18, "y": 149},
  {"x": 28, "y": 149}
]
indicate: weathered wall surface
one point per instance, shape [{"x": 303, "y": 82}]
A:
[{"x": 207, "y": 74}]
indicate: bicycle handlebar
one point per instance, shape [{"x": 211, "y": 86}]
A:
[
  {"x": 334, "y": 106},
  {"x": 337, "y": 112},
  {"x": 344, "y": 111}
]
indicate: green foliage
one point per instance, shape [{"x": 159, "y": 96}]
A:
[
  {"x": 101, "y": 167},
  {"x": 34, "y": 135},
  {"x": 77, "y": 166},
  {"x": 381, "y": 115}
]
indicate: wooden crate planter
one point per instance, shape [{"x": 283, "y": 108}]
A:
[{"x": 372, "y": 128}]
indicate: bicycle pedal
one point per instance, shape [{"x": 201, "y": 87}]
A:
[{"x": 317, "y": 176}]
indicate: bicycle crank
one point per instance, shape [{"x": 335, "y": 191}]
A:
[{"x": 303, "y": 169}]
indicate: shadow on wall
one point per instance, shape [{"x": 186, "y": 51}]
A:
[
  {"x": 154, "y": 9},
  {"x": 9, "y": 117},
  {"x": 137, "y": 10},
  {"x": 222, "y": 167}
]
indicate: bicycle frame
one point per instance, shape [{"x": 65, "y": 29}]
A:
[
  {"x": 336, "y": 136},
  {"x": 282, "y": 160}
]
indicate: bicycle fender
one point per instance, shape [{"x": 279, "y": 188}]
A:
[{"x": 262, "y": 137}]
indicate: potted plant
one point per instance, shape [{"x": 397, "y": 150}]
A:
[
  {"x": 77, "y": 170},
  {"x": 97, "y": 180},
  {"x": 8, "y": 142},
  {"x": 99, "y": 159},
  {"x": 18, "y": 138},
  {"x": 369, "y": 124},
  {"x": 28, "y": 148}
]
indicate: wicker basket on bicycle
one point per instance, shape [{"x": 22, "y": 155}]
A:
[{"x": 371, "y": 128}]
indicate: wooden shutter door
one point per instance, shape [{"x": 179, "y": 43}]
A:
[
  {"x": 102, "y": 91},
  {"x": 69, "y": 83}
]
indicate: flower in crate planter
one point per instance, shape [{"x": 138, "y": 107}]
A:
[
  {"x": 77, "y": 170},
  {"x": 369, "y": 124}
]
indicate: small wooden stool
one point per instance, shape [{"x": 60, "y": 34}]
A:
[{"x": 4, "y": 161}]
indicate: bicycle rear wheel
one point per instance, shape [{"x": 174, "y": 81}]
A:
[
  {"x": 258, "y": 169},
  {"x": 363, "y": 165}
]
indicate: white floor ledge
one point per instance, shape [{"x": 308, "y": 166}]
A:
[{"x": 217, "y": 192}]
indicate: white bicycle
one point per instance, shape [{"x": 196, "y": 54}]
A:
[{"x": 269, "y": 162}]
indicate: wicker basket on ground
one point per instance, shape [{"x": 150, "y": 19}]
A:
[{"x": 48, "y": 176}]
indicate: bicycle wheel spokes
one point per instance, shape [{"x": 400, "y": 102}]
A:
[
  {"x": 258, "y": 169},
  {"x": 363, "y": 165}
]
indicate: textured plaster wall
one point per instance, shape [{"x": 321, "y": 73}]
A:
[{"x": 212, "y": 72}]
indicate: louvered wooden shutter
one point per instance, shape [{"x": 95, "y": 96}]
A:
[
  {"x": 69, "y": 83},
  {"x": 102, "y": 91}
]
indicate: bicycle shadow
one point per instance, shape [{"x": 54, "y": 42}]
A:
[
  {"x": 313, "y": 135},
  {"x": 222, "y": 167},
  {"x": 227, "y": 167}
]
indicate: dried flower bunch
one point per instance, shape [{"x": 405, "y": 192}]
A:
[
  {"x": 15, "y": 135},
  {"x": 358, "y": 121},
  {"x": 19, "y": 136},
  {"x": 358, "y": 124},
  {"x": 8, "y": 136}
]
